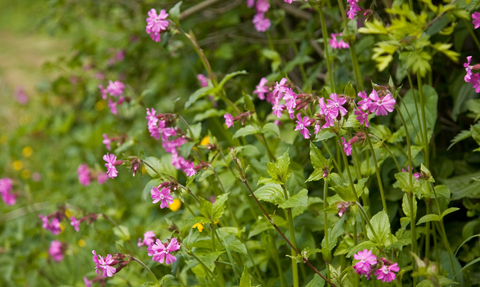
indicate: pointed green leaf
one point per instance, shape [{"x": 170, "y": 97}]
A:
[
  {"x": 428, "y": 217},
  {"x": 298, "y": 200},
  {"x": 272, "y": 193},
  {"x": 271, "y": 128},
  {"x": 245, "y": 280},
  {"x": 245, "y": 131},
  {"x": 219, "y": 206}
]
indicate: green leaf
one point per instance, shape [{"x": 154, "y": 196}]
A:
[
  {"x": 121, "y": 232},
  {"x": 375, "y": 27},
  {"x": 245, "y": 131},
  {"x": 381, "y": 225},
  {"x": 417, "y": 61},
  {"x": 274, "y": 57},
  {"x": 450, "y": 210},
  {"x": 359, "y": 247},
  {"x": 350, "y": 90},
  {"x": 121, "y": 249},
  {"x": 406, "y": 206},
  {"x": 202, "y": 92},
  {"x": 174, "y": 13},
  {"x": 460, "y": 137},
  {"x": 283, "y": 167},
  {"x": 272, "y": 193},
  {"x": 272, "y": 128},
  {"x": 249, "y": 106},
  {"x": 191, "y": 238},
  {"x": 229, "y": 76},
  {"x": 150, "y": 284},
  {"x": 206, "y": 208},
  {"x": 324, "y": 134},
  {"x": 219, "y": 206},
  {"x": 245, "y": 280},
  {"x": 316, "y": 175},
  {"x": 428, "y": 217},
  {"x": 157, "y": 168},
  {"x": 208, "y": 114},
  {"x": 299, "y": 199},
  {"x": 345, "y": 193},
  {"x": 317, "y": 281},
  {"x": 166, "y": 278},
  {"x": 317, "y": 158}
]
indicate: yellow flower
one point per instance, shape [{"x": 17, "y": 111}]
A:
[
  {"x": 198, "y": 226},
  {"x": 175, "y": 205},
  {"x": 68, "y": 213},
  {"x": 82, "y": 243},
  {"x": 144, "y": 170},
  {"x": 62, "y": 227},
  {"x": 100, "y": 105},
  {"x": 205, "y": 141},
  {"x": 17, "y": 165},
  {"x": 25, "y": 174},
  {"x": 27, "y": 151},
  {"x": 216, "y": 221}
]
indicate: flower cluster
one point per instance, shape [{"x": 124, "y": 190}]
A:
[
  {"x": 148, "y": 239},
  {"x": 368, "y": 264},
  {"x": 52, "y": 225},
  {"x": 161, "y": 252},
  {"x": 337, "y": 44},
  {"x": 282, "y": 97},
  {"x": 111, "y": 164},
  {"x": 113, "y": 90},
  {"x": 56, "y": 250},
  {"x": 261, "y": 23},
  {"x": 156, "y": 24},
  {"x": 85, "y": 175},
  {"x": 158, "y": 125},
  {"x": 107, "y": 264},
  {"x": 163, "y": 195},
  {"x": 5, "y": 190},
  {"x": 353, "y": 9},
  {"x": 470, "y": 77}
]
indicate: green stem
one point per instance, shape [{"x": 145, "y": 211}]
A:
[
  {"x": 389, "y": 151},
  {"x": 275, "y": 255},
  {"x": 228, "y": 203},
  {"x": 291, "y": 229},
  {"x": 416, "y": 106},
  {"x": 146, "y": 268},
  {"x": 356, "y": 163},
  {"x": 325, "y": 218},
  {"x": 365, "y": 217},
  {"x": 424, "y": 120},
  {"x": 353, "y": 54},
  {"x": 335, "y": 162},
  {"x": 472, "y": 33},
  {"x": 325, "y": 45},
  {"x": 409, "y": 146},
  {"x": 345, "y": 162},
  {"x": 377, "y": 171},
  {"x": 427, "y": 232},
  {"x": 414, "y": 234}
]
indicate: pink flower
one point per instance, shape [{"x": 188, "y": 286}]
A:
[
  {"x": 228, "y": 120},
  {"x": 21, "y": 96},
  {"x": 415, "y": 174},
  {"x": 261, "y": 89},
  {"x": 88, "y": 283},
  {"x": 163, "y": 196},
  {"x": 262, "y": 6},
  {"x": 189, "y": 169},
  {"x": 385, "y": 273},
  {"x": 261, "y": 23},
  {"x": 365, "y": 102},
  {"x": 161, "y": 253},
  {"x": 113, "y": 106},
  {"x": 280, "y": 88},
  {"x": 334, "y": 104},
  {"x": 362, "y": 117},
  {"x": 354, "y": 8},
  {"x": 75, "y": 223},
  {"x": 148, "y": 239},
  {"x": 382, "y": 105},
  {"x": 56, "y": 250},
  {"x": 9, "y": 198},
  {"x": 53, "y": 226},
  {"x": 302, "y": 126},
  {"x": 476, "y": 19},
  {"x": 96, "y": 261},
  {"x": 83, "y": 174},
  {"x": 346, "y": 147},
  {"x": 277, "y": 109},
  {"x": 102, "y": 178},
  {"x": 111, "y": 160},
  {"x": 115, "y": 88},
  {"x": 475, "y": 81},
  {"x": 468, "y": 76},
  {"x": 203, "y": 80},
  {"x": 290, "y": 99},
  {"x": 250, "y": 3},
  {"x": 105, "y": 265},
  {"x": 337, "y": 44},
  {"x": 157, "y": 23},
  {"x": 366, "y": 261},
  {"x": 5, "y": 188},
  {"x": 106, "y": 141},
  {"x": 152, "y": 119}
]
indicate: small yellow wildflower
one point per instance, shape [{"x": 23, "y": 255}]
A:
[
  {"x": 198, "y": 226},
  {"x": 82, "y": 243},
  {"x": 100, "y": 105},
  {"x": 205, "y": 141},
  {"x": 17, "y": 165},
  {"x": 175, "y": 205},
  {"x": 25, "y": 174},
  {"x": 27, "y": 151},
  {"x": 68, "y": 213}
]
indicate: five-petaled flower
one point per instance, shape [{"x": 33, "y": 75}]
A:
[
  {"x": 302, "y": 126},
  {"x": 163, "y": 196},
  {"x": 156, "y": 23},
  {"x": 386, "y": 272},
  {"x": 228, "y": 120},
  {"x": 381, "y": 105},
  {"x": 111, "y": 160},
  {"x": 366, "y": 261},
  {"x": 162, "y": 252},
  {"x": 75, "y": 223},
  {"x": 346, "y": 147}
]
